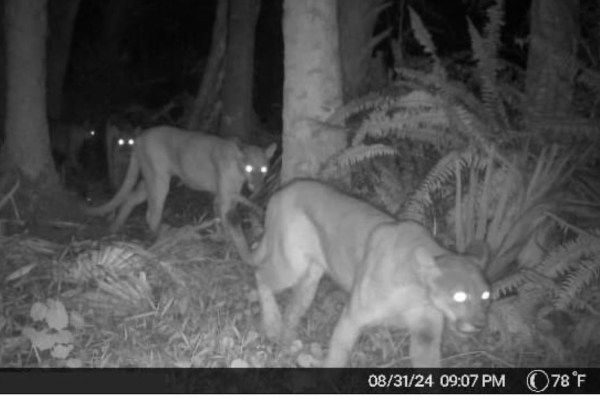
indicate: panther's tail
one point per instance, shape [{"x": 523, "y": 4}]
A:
[{"x": 131, "y": 178}]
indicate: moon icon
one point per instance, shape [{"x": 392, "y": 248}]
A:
[{"x": 537, "y": 381}]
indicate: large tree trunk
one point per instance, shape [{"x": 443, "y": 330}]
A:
[
  {"x": 61, "y": 20},
  {"x": 554, "y": 36},
  {"x": 2, "y": 75},
  {"x": 357, "y": 20},
  {"x": 27, "y": 141},
  {"x": 239, "y": 69},
  {"x": 312, "y": 88},
  {"x": 208, "y": 90}
]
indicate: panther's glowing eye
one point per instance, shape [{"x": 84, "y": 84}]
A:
[
  {"x": 263, "y": 169},
  {"x": 460, "y": 297},
  {"x": 130, "y": 142},
  {"x": 485, "y": 295},
  {"x": 121, "y": 142},
  {"x": 248, "y": 168}
]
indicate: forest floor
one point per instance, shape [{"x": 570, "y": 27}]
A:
[{"x": 73, "y": 295}]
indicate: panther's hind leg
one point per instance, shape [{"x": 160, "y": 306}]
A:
[{"x": 138, "y": 196}]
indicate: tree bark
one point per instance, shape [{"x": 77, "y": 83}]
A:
[
  {"x": 208, "y": 90},
  {"x": 61, "y": 21},
  {"x": 27, "y": 141},
  {"x": 312, "y": 88},
  {"x": 237, "y": 113},
  {"x": 554, "y": 36},
  {"x": 2, "y": 76}
]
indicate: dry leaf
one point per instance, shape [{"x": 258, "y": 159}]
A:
[
  {"x": 57, "y": 316},
  {"x": 307, "y": 361},
  {"x": 61, "y": 351},
  {"x": 76, "y": 320},
  {"x": 296, "y": 346},
  {"x": 74, "y": 363},
  {"x": 239, "y": 363},
  {"x": 20, "y": 272},
  {"x": 38, "y": 311},
  {"x": 39, "y": 339},
  {"x": 227, "y": 342}
]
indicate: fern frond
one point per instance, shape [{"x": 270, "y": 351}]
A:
[
  {"x": 421, "y": 33},
  {"x": 424, "y": 38},
  {"x": 485, "y": 52},
  {"x": 419, "y": 79},
  {"x": 439, "y": 175},
  {"x": 559, "y": 260},
  {"x": 372, "y": 100},
  {"x": 508, "y": 284},
  {"x": 567, "y": 129},
  {"x": 494, "y": 25},
  {"x": 360, "y": 153},
  {"x": 470, "y": 126},
  {"x": 418, "y": 123},
  {"x": 581, "y": 275},
  {"x": 527, "y": 207},
  {"x": 484, "y": 198},
  {"x": 487, "y": 69}
]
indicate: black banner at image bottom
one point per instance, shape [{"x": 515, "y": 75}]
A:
[{"x": 359, "y": 381}]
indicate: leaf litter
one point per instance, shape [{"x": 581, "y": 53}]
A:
[{"x": 185, "y": 301}]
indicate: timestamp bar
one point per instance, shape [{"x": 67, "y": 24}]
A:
[{"x": 282, "y": 380}]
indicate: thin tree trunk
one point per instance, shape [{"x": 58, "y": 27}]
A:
[
  {"x": 27, "y": 139},
  {"x": 209, "y": 88},
  {"x": 312, "y": 88},
  {"x": 61, "y": 21},
  {"x": 112, "y": 76},
  {"x": 357, "y": 20},
  {"x": 552, "y": 51},
  {"x": 239, "y": 69},
  {"x": 2, "y": 76}
]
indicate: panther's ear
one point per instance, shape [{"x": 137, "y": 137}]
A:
[
  {"x": 269, "y": 151},
  {"x": 427, "y": 268},
  {"x": 479, "y": 251}
]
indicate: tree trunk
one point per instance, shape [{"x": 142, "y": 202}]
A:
[
  {"x": 357, "y": 20},
  {"x": 2, "y": 76},
  {"x": 239, "y": 69},
  {"x": 61, "y": 21},
  {"x": 554, "y": 36},
  {"x": 208, "y": 90},
  {"x": 112, "y": 75},
  {"x": 312, "y": 88},
  {"x": 27, "y": 140}
]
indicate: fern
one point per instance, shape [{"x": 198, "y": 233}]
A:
[
  {"x": 424, "y": 38},
  {"x": 356, "y": 154},
  {"x": 560, "y": 260},
  {"x": 508, "y": 285},
  {"x": 567, "y": 129},
  {"x": 493, "y": 27},
  {"x": 373, "y": 100},
  {"x": 582, "y": 274},
  {"x": 439, "y": 175},
  {"x": 417, "y": 116}
]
